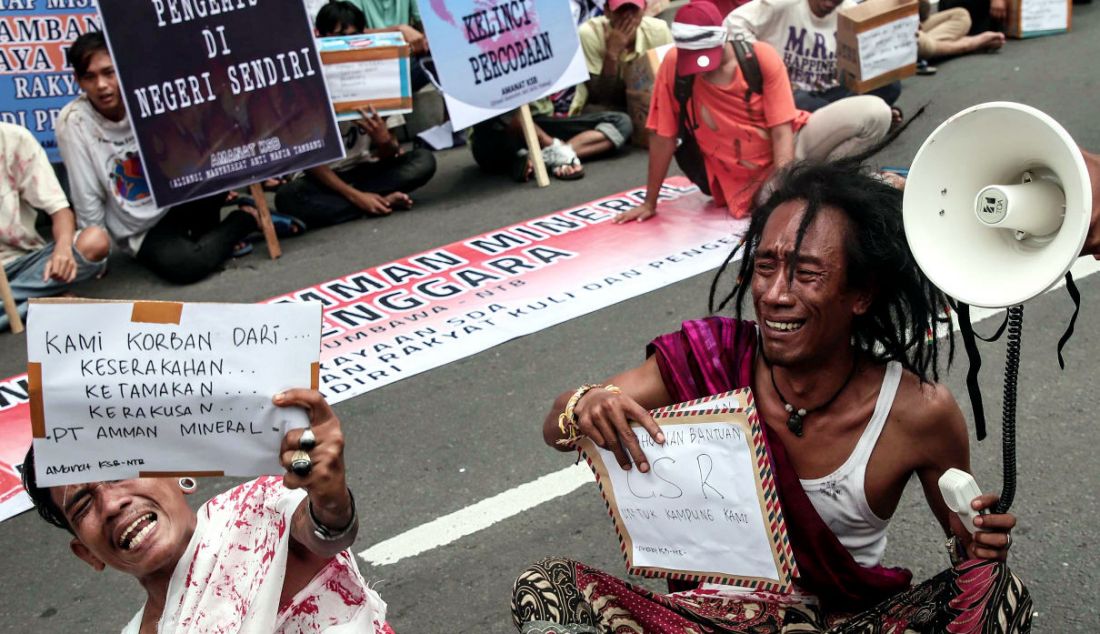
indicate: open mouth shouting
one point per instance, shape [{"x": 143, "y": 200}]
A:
[{"x": 135, "y": 533}]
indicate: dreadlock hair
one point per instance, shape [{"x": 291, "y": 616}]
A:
[
  {"x": 43, "y": 502},
  {"x": 905, "y": 306}
]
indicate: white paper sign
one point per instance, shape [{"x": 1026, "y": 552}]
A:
[
  {"x": 125, "y": 390},
  {"x": 888, "y": 47},
  {"x": 365, "y": 81},
  {"x": 699, "y": 508},
  {"x": 1043, "y": 15}
]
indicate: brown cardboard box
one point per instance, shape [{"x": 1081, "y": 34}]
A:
[
  {"x": 877, "y": 43},
  {"x": 639, "y": 76},
  {"x": 1034, "y": 18}
]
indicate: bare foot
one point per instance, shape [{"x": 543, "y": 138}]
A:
[
  {"x": 398, "y": 201},
  {"x": 990, "y": 40}
]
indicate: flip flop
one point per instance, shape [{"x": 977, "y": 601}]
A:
[
  {"x": 573, "y": 176},
  {"x": 520, "y": 164},
  {"x": 286, "y": 226},
  {"x": 242, "y": 249}
]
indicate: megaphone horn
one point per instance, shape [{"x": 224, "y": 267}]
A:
[
  {"x": 996, "y": 209},
  {"x": 997, "y": 204}
]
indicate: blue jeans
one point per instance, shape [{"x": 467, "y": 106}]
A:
[{"x": 25, "y": 276}]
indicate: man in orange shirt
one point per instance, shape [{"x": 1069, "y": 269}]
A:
[{"x": 744, "y": 137}]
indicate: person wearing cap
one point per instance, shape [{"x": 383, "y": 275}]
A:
[
  {"x": 612, "y": 42},
  {"x": 804, "y": 32},
  {"x": 744, "y": 137}
]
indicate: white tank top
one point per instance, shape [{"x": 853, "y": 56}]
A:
[{"x": 840, "y": 498}]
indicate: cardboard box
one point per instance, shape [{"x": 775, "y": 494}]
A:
[
  {"x": 367, "y": 70},
  {"x": 877, "y": 43},
  {"x": 1035, "y": 18},
  {"x": 639, "y": 76}
]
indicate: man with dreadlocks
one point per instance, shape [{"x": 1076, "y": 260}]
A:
[{"x": 842, "y": 340}]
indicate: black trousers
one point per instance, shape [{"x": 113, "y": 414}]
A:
[
  {"x": 811, "y": 101},
  {"x": 192, "y": 241},
  {"x": 315, "y": 204}
]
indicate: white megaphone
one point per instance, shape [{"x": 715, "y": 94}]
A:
[
  {"x": 996, "y": 209},
  {"x": 997, "y": 204}
]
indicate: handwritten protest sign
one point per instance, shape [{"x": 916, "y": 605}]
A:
[
  {"x": 35, "y": 78},
  {"x": 888, "y": 47},
  {"x": 122, "y": 389},
  {"x": 493, "y": 56},
  {"x": 707, "y": 510},
  {"x": 1032, "y": 18},
  {"x": 367, "y": 71},
  {"x": 216, "y": 102}
]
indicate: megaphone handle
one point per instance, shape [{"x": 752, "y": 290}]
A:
[{"x": 1008, "y": 423}]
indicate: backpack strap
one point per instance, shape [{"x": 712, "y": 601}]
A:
[
  {"x": 682, "y": 90},
  {"x": 750, "y": 66}
]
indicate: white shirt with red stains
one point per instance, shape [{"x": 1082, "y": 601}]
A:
[{"x": 231, "y": 576}]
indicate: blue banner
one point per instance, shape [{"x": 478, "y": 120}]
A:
[{"x": 35, "y": 79}]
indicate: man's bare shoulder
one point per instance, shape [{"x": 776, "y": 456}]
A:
[{"x": 927, "y": 409}]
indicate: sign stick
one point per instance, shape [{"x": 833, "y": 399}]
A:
[
  {"x": 268, "y": 228},
  {"x": 534, "y": 151},
  {"x": 15, "y": 322}
]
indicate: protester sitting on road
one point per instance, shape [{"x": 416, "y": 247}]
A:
[
  {"x": 985, "y": 15},
  {"x": 182, "y": 244},
  {"x": 804, "y": 33},
  {"x": 376, "y": 175},
  {"x": 568, "y": 130},
  {"x": 743, "y": 136},
  {"x": 944, "y": 34},
  {"x": 498, "y": 144},
  {"x": 843, "y": 313},
  {"x": 610, "y": 43},
  {"x": 395, "y": 15},
  {"x": 34, "y": 267},
  {"x": 233, "y": 567}
]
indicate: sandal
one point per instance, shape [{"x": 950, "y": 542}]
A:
[
  {"x": 521, "y": 167},
  {"x": 559, "y": 155},
  {"x": 242, "y": 249},
  {"x": 286, "y": 226},
  {"x": 897, "y": 118}
]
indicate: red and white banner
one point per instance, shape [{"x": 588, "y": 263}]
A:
[{"x": 392, "y": 321}]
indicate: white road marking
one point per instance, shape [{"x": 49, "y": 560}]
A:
[{"x": 481, "y": 515}]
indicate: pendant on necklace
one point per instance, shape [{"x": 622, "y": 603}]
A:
[{"x": 794, "y": 419}]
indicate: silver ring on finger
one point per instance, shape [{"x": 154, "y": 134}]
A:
[
  {"x": 300, "y": 463},
  {"x": 1008, "y": 541},
  {"x": 308, "y": 440}
]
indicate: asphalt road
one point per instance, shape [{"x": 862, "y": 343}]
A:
[{"x": 445, "y": 439}]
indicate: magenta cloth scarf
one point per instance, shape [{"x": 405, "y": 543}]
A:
[{"x": 715, "y": 355}]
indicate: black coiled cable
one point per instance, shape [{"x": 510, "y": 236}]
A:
[{"x": 1008, "y": 408}]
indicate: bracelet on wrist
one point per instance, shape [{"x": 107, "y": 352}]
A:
[
  {"x": 326, "y": 534},
  {"x": 567, "y": 420}
]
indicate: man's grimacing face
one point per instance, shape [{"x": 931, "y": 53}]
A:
[
  {"x": 137, "y": 526},
  {"x": 808, "y": 315}
]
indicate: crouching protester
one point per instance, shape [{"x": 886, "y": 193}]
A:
[
  {"x": 737, "y": 119},
  {"x": 844, "y": 380},
  {"x": 233, "y": 567}
]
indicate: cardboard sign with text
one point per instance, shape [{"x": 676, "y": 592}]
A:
[
  {"x": 639, "y": 78},
  {"x": 708, "y": 509},
  {"x": 220, "y": 95},
  {"x": 128, "y": 389},
  {"x": 367, "y": 71},
  {"x": 1035, "y": 18},
  {"x": 877, "y": 43}
]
